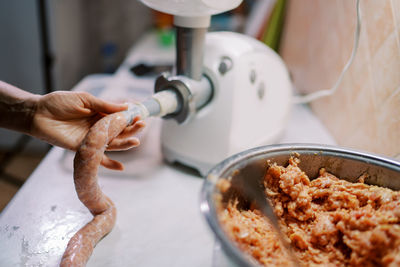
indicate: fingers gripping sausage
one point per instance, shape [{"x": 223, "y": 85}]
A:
[{"x": 86, "y": 162}]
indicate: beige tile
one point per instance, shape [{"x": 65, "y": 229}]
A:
[
  {"x": 396, "y": 10},
  {"x": 389, "y": 125},
  {"x": 347, "y": 24},
  {"x": 361, "y": 108},
  {"x": 295, "y": 44},
  {"x": 360, "y": 94},
  {"x": 365, "y": 136},
  {"x": 359, "y": 68},
  {"x": 316, "y": 44},
  {"x": 378, "y": 18},
  {"x": 360, "y": 119},
  {"x": 331, "y": 109},
  {"x": 362, "y": 114},
  {"x": 349, "y": 107},
  {"x": 360, "y": 71},
  {"x": 385, "y": 65},
  {"x": 331, "y": 47},
  {"x": 396, "y": 16},
  {"x": 348, "y": 112},
  {"x": 7, "y": 191}
]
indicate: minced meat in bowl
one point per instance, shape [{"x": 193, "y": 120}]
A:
[{"x": 336, "y": 207}]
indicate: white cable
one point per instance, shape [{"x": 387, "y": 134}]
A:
[{"x": 302, "y": 99}]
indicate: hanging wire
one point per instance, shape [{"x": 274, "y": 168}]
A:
[{"x": 302, "y": 99}]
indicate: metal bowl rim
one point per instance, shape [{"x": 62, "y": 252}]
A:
[{"x": 206, "y": 197}]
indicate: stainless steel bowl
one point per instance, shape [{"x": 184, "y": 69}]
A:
[{"x": 251, "y": 164}]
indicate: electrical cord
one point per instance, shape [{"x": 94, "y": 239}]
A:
[{"x": 303, "y": 99}]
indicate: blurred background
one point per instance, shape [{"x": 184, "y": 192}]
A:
[{"x": 49, "y": 45}]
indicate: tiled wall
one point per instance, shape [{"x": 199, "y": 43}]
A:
[{"x": 364, "y": 112}]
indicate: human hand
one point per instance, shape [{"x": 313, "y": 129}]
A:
[{"x": 64, "y": 118}]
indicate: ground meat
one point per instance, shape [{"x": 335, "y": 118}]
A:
[{"x": 328, "y": 221}]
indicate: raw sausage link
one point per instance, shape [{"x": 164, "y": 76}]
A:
[{"x": 86, "y": 162}]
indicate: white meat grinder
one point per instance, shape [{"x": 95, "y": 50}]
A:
[{"x": 229, "y": 92}]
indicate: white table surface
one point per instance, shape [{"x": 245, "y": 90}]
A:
[{"x": 159, "y": 221}]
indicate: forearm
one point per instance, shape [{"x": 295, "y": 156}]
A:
[{"x": 17, "y": 108}]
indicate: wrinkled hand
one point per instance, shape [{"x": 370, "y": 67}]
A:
[{"x": 64, "y": 118}]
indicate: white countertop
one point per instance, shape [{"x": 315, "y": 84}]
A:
[{"x": 159, "y": 221}]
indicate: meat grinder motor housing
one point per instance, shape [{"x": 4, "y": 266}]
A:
[
  {"x": 238, "y": 91},
  {"x": 249, "y": 107}
]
